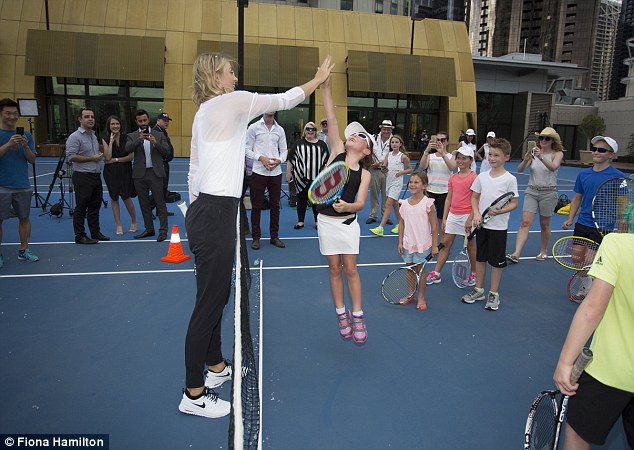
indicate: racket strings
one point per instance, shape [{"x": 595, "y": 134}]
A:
[
  {"x": 544, "y": 426},
  {"x": 579, "y": 286},
  {"x": 575, "y": 252},
  {"x": 400, "y": 284},
  {"x": 613, "y": 206}
]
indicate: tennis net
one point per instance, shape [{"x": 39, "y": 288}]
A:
[{"x": 244, "y": 424}]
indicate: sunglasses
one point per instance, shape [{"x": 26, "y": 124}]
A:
[
  {"x": 601, "y": 149},
  {"x": 365, "y": 137},
  {"x": 442, "y": 139},
  {"x": 311, "y": 130},
  {"x": 545, "y": 138}
]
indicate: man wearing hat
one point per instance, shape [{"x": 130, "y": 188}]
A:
[
  {"x": 378, "y": 172},
  {"x": 604, "y": 150},
  {"x": 322, "y": 135},
  {"x": 162, "y": 122}
]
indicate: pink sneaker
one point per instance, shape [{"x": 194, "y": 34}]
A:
[
  {"x": 360, "y": 333},
  {"x": 345, "y": 328}
]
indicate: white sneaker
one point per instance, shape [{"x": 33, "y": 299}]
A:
[
  {"x": 214, "y": 380},
  {"x": 493, "y": 302},
  {"x": 209, "y": 405}
]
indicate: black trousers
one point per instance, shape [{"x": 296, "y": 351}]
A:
[
  {"x": 213, "y": 257},
  {"x": 88, "y": 197},
  {"x": 166, "y": 180},
  {"x": 302, "y": 204},
  {"x": 154, "y": 184}
]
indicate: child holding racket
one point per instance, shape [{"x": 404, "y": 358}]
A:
[
  {"x": 456, "y": 212},
  {"x": 604, "y": 150},
  {"x": 397, "y": 163},
  {"x": 338, "y": 230},
  {"x": 491, "y": 238},
  {"x": 605, "y": 390},
  {"x": 417, "y": 231}
]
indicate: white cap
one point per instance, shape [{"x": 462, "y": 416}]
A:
[
  {"x": 608, "y": 140},
  {"x": 470, "y": 132},
  {"x": 386, "y": 124},
  {"x": 356, "y": 127},
  {"x": 466, "y": 151},
  {"x": 491, "y": 134}
]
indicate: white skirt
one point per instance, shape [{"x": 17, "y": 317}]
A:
[
  {"x": 336, "y": 237},
  {"x": 455, "y": 223},
  {"x": 394, "y": 187}
]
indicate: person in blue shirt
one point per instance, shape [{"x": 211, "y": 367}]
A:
[
  {"x": 604, "y": 150},
  {"x": 17, "y": 151}
]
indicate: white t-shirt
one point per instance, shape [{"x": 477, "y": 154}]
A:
[
  {"x": 491, "y": 188},
  {"x": 216, "y": 165}
]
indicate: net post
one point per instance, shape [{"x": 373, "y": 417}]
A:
[
  {"x": 260, "y": 356},
  {"x": 238, "y": 434}
]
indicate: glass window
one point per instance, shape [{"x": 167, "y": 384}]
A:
[
  {"x": 76, "y": 88},
  {"x": 146, "y": 92},
  {"x": 111, "y": 91},
  {"x": 378, "y": 8},
  {"x": 58, "y": 85},
  {"x": 346, "y": 5}
]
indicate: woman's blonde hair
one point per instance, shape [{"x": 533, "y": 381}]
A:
[
  {"x": 309, "y": 125},
  {"x": 204, "y": 84}
]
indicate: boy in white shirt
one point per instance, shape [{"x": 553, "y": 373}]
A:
[{"x": 491, "y": 238}]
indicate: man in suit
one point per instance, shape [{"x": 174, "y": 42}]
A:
[
  {"x": 162, "y": 122},
  {"x": 150, "y": 149}
]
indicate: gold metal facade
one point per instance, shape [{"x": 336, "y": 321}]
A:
[{"x": 183, "y": 24}]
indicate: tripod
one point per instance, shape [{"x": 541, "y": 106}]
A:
[{"x": 57, "y": 209}]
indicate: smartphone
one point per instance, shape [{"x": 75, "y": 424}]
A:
[
  {"x": 434, "y": 139},
  {"x": 530, "y": 147},
  {"x": 19, "y": 130}
]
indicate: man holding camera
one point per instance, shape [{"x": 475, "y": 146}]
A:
[
  {"x": 16, "y": 152},
  {"x": 150, "y": 148},
  {"x": 439, "y": 164},
  {"x": 82, "y": 149},
  {"x": 162, "y": 122}
]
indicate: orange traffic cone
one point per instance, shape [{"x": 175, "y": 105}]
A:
[{"x": 175, "y": 253}]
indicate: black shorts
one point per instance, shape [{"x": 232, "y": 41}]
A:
[
  {"x": 588, "y": 233},
  {"x": 594, "y": 410},
  {"x": 439, "y": 203},
  {"x": 491, "y": 247}
]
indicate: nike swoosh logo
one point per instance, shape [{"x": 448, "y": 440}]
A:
[{"x": 200, "y": 406}]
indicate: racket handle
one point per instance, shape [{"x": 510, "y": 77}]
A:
[
  {"x": 183, "y": 207},
  {"x": 430, "y": 256},
  {"x": 580, "y": 364}
]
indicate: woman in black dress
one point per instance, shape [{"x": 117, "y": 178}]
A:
[
  {"x": 118, "y": 173},
  {"x": 305, "y": 160}
]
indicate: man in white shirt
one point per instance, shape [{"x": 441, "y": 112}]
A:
[
  {"x": 378, "y": 172},
  {"x": 322, "y": 135},
  {"x": 266, "y": 146}
]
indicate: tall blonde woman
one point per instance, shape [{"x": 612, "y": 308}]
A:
[
  {"x": 216, "y": 171},
  {"x": 541, "y": 194}
]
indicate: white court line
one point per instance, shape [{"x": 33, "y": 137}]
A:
[
  {"x": 298, "y": 238},
  {"x": 151, "y": 272}
]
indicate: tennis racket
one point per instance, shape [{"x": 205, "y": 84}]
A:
[
  {"x": 575, "y": 252},
  {"x": 498, "y": 203},
  {"x": 329, "y": 184},
  {"x": 547, "y": 413},
  {"x": 461, "y": 269},
  {"x": 613, "y": 206},
  {"x": 399, "y": 287},
  {"x": 579, "y": 286}
]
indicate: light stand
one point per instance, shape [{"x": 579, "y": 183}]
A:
[
  {"x": 58, "y": 208},
  {"x": 28, "y": 108}
]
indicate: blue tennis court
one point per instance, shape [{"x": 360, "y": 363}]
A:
[{"x": 92, "y": 341}]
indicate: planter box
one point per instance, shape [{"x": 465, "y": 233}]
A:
[{"x": 585, "y": 156}]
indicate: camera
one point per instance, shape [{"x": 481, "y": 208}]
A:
[
  {"x": 433, "y": 139},
  {"x": 19, "y": 130}
]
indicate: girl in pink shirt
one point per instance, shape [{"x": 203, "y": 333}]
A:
[
  {"x": 457, "y": 211},
  {"x": 417, "y": 231}
]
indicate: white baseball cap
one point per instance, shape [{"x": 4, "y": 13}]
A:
[
  {"x": 608, "y": 140},
  {"x": 491, "y": 134},
  {"x": 354, "y": 128},
  {"x": 466, "y": 151},
  {"x": 470, "y": 132}
]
